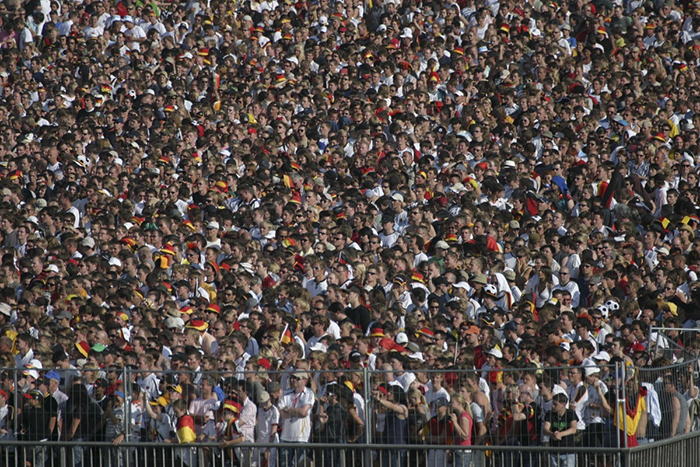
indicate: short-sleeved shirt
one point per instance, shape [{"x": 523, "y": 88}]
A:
[
  {"x": 266, "y": 419},
  {"x": 561, "y": 423},
  {"x": 296, "y": 429}
]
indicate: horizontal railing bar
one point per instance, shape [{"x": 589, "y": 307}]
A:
[{"x": 376, "y": 447}]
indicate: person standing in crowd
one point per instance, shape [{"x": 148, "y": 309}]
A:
[
  {"x": 338, "y": 187},
  {"x": 561, "y": 427},
  {"x": 295, "y": 412}
]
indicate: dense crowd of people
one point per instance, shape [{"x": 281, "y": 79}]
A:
[{"x": 246, "y": 204}]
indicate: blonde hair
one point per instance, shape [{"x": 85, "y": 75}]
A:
[
  {"x": 459, "y": 398},
  {"x": 417, "y": 393}
]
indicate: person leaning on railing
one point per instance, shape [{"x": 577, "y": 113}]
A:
[{"x": 561, "y": 425}]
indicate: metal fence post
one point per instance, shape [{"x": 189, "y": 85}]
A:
[
  {"x": 127, "y": 406},
  {"x": 369, "y": 410},
  {"x": 617, "y": 411},
  {"x": 624, "y": 403},
  {"x": 16, "y": 402},
  {"x": 656, "y": 344}
]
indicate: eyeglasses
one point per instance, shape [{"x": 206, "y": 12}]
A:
[{"x": 319, "y": 308}]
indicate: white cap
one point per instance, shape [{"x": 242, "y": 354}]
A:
[
  {"x": 248, "y": 267},
  {"x": 52, "y": 268},
  {"x": 128, "y": 19},
  {"x": 213, "y": 225},
  {"x": 318, "y": 346},
  {"x": 457, "y": 187},
  {"x": 591, "y": 370},
  {"x": 172, "y": 323},
  {"x": 5, "y": 309},
  {"x": 89, "y": 242},
  {"x": 397, "y": 196},
  {"x": 115, "y": 262},
  {"x": 36, "y": 364},
  {"x": 556, "y": 389},
  {"x": 407, "y": 33},
  {"x": 461, "y": 285},
  {"x": 603, "y": 355},
  {"x": 401, "y": 338},
  {"x": 496, "y": 352}
]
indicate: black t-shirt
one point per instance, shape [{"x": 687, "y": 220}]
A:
[
  {"x": 336, "y": 426},
  {"x": 561, "y": 423},
  {"x": 51, "y": 408},
  {"x": 35, "y": 423},
  {"x": 89, "y": 415},
  {"x": 359, "y": 316},
  {"x": 526, "y": 430}
]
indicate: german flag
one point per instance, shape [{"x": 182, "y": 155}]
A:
[
  {"x": 185, "y": 429},
  {"x": 286, "y": 337}
]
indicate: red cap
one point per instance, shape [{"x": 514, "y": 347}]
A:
[{"x": 265, "y": 363}]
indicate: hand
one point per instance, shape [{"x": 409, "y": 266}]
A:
[
  {"x": 323, "y": 418},
  {"x": 118, "y": 440}
]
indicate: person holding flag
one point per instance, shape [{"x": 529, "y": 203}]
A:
[{"x": 184, "y": 433}]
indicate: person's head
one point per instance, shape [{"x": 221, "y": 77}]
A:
[
  {"x": 298, "y": 380},
  {"x": 559, "y": 402},
  {"x": 575, "y": 375}
]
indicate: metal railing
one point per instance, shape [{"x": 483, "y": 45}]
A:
[
  {"x": 676, "y": 452},
  {"x": 316, "y": 455},
  {"x": 662, "y": 345},
  {"x": 368, "y": 449}
]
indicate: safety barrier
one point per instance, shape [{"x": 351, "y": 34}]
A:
[
  {"x": 425, "y": 446},
  {"x": 677, "y": 452}
]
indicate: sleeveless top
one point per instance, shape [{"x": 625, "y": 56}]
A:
[
  {"x": 396, "y": 429},
  {"x": 683, "y": 415}
]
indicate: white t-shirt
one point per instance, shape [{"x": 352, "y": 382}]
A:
[
  {"x": 296, "y": 429},
  {"x": 267, "y": 418}
]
